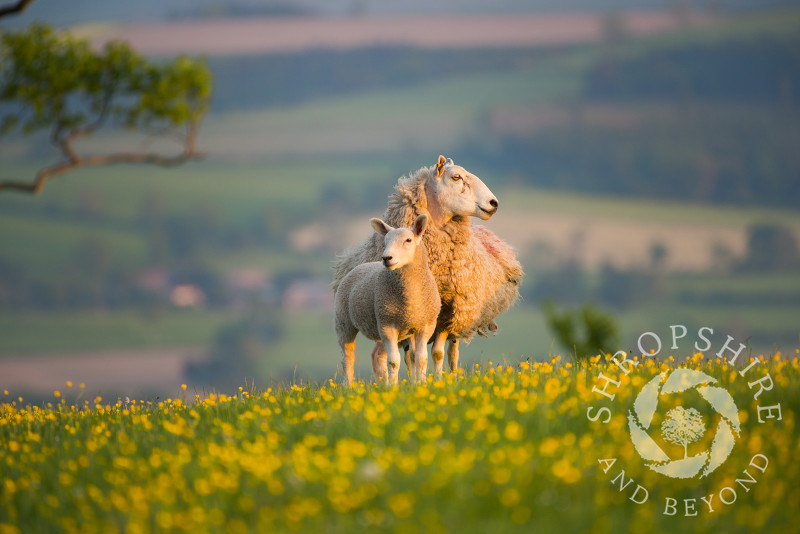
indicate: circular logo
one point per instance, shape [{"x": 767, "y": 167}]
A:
[{"x": 683, "y": 426}]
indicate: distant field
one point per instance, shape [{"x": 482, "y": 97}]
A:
[
  {"x": 282, "y": 35},
  {"x": 66, "y": 332},
  {"x": 613, "y": 230},
  {"x": 234, "y": 189},
  {"x": 430, "y": 116},
  {"x": 599, "y": 230}
]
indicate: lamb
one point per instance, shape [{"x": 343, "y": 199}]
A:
[
  {"x": 477, "y": 274},
  {"x": 389, "y": 300}
]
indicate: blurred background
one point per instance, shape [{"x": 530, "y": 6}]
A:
[{"x": 646, "y": 161}]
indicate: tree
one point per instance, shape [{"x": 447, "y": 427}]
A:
[
  {"x": 238, "y": 349},
  {"x": 771, "y": 248},
  {"x": 682, "y": 427},
  {"x": 57, "y": 82},
  {"x": 587, "y": 331}
]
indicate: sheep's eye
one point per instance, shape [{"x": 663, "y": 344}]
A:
[
  {"x": 456, "y": 177},
  {"x": 408, "y": 240}
]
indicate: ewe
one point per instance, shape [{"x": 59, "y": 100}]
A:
[
  {"x": 389, "y": 300},
  {"x": 478, "y": 274}
]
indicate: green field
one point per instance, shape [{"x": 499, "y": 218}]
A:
[
  {"x": 64, "y": 333},
  {"x": 499, "y": 449}
]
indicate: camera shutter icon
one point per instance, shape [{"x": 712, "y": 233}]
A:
[{"x": 683, "y": 426}]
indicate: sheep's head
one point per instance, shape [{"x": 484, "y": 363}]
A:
[
  {"x": 400, "y": 244},
  {"x": 453, "y": 191}
]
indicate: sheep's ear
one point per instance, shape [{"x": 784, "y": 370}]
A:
[
  {"x": 419, "y": 224},
  {"x": 380, "y": 226},
  {"x": 440, "y": 165}
]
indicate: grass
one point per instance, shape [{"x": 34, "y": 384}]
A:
[
  {"x": 308, "y": 348},
  {"x": 500, "y": 449}
]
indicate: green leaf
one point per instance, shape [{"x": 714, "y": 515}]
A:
[{"x": 59, "y": 81}]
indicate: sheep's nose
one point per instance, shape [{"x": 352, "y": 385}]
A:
[
  {"x": 387, "y": 259},
  {"x": 493, "y": 203}
]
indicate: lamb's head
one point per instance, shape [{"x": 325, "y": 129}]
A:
[
  {"x": 400, "y": 244},
  {"x": 453, "y": 191}
]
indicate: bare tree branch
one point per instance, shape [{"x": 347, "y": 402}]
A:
[
  {"x": 74, "y": 161},
  {"x": 14, "y": 8}
]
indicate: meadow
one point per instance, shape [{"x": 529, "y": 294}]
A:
[{"x": 498, "y": 448}]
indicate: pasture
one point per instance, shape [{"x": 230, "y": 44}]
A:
[{"x": 501, "y": 448}]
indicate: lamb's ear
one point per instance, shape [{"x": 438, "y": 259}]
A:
[
  {"x": 380, "y": 226},
  {"x": 419, "y": 224},
  {"x": 440, "y": 165}
]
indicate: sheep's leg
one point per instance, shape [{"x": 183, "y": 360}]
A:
[
  {"x": 379, "y": 362},
  {"x": 408, "y": 350},
  {"x": 389, "y": 338},
  {"x": 437, "y": 352},
  {"x": 452, "y": 354},
  {"x": 346, "y": 336},
  {"x": 348, "y": 359}
]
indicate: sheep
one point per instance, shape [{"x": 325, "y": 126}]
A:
[
  {"x": 477, "y": 274},
  {"x": 389, "y": 300}
]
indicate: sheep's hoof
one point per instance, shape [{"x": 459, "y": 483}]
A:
[{"x": 486, "y": 330}]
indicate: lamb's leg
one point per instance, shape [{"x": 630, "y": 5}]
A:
[
  {"x": 421, "y": 353},
  {"x": 452, "y": 354},
  {"x": 379, "y": 362},
  {"x": 437, "y": 352},
  {"x": 389, "y": 338}
]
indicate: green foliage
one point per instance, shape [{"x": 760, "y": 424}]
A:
[
  {"x": 586, "y": 332},
  {"x": 237, "y": 349},
  {"x": 58, "y": 81},
  {"x": 771, "y": 248}
]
